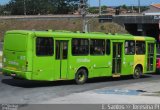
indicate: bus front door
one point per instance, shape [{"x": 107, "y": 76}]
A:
[
  {"x": 150, "y": 58},
  {"x": 61, "y": 62},
  {"x": 117, "y": 59}
]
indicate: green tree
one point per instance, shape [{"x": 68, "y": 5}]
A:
[
  {"x": 124, "y": 7},
  {"x": 16, "y": 7},
  {"x": 1, "y": 9},
  {"x": 93, "y": 10},
  {"x": 65, "y": 6},
  {"x": 32, "y": 7},
  {"x": 104, "y": 7}
]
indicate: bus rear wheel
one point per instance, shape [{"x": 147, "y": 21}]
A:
[
  {"x": 137, "y": 72},
  {"x": 81, "y": 76}
]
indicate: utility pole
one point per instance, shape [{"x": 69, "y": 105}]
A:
[
  {"x": 100, "y": 9},
  {"x": 139, "y": 6},
  {"x": 132, "y": 8},
  {"x": 82, "y": 7},
  {"x": 24, "y": 3}
]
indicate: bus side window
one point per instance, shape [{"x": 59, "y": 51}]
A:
[
  {"x": 140, "y": 47},
  {"x": 129, "y": 47},
  {"x": 108, "y": 47},
  {"x": 97, "y": 47},
  {"x": 44, "y": 46},
  {"x": 80, "y": 47}
]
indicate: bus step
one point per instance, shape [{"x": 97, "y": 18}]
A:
[{"x": 116, "y": 75}]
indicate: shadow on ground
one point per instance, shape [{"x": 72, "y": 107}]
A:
[
  {"x": 110, "y": 79},
  {"x": 34, "y": 84},
  {"x": 157, "y": 73}
]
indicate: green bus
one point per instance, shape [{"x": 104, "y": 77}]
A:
[{"x": 63, "y": 55}]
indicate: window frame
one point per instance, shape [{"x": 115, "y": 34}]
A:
[
  {"x": 85, "y": 54},
  {"x": 144, "y": 48},
  {"x": 52, "y": 48},
  {"x": 129, "y": 41},
  {"x": 104, "y": 47}
]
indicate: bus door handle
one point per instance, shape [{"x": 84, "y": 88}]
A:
[
  {"x": 39, "y": 70},
  {"x": 107, "y": 66}
]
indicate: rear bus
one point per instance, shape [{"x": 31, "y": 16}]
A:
[{"x": 17, "y": 54}]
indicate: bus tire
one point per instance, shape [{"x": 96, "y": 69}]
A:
[
  {"x": 137, "y": 72},
  {"x": 81, "y": 76}
]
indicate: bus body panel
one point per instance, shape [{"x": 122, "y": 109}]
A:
[
  {"x": 101, "y": 66},
  {"x": 138, "y": 58},
  {"x": 77, "y": 62},
  {"x": 128, "y": 63},
  {"x": 42, "y": 65}
]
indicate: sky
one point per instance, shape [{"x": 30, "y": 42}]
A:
[
  {"x": 121, "y": 2},
  {"x": 4, "y": 1},
  {"x": 111, "y": 2}
]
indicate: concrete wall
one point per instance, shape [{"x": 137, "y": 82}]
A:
[{"x": 135, "y": 19}]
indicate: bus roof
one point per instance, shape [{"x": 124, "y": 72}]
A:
[{"x": 69, "y": 34}]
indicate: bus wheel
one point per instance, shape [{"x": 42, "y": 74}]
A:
[
  {"x": 137, "y": 72},
  {"x": 81, "y": 76}
]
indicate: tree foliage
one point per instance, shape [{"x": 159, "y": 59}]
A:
[
  {"x": 135, "y": 8},
  {"x": 33, "y": 7},
  {"x": 93, "y": 10}
]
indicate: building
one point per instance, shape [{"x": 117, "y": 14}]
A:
[{"x": 154, "y": 9}]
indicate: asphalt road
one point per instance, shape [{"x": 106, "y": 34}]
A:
[{"x": 29, "y": 92}]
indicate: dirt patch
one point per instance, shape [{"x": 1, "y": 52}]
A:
[{"x": 68, "y": 24}]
